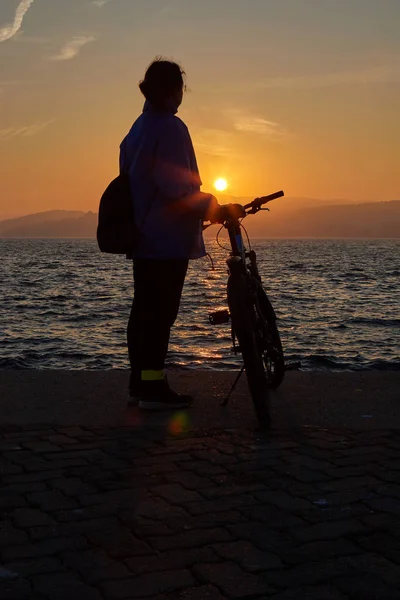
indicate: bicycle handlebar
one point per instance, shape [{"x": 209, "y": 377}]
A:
[{"x": 258, "y": 202}]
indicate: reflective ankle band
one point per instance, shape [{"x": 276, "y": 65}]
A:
[{"x": 152, "y": 375}]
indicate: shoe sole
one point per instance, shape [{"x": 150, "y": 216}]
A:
[
  {"x": 132, "y": 400},
  {"x": 148, "y": 405}
]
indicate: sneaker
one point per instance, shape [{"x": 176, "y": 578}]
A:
[
  {"x": 157, "y": 395},
  {"x": 134, "y": 393},
  {"x": 133, "y": 398}
]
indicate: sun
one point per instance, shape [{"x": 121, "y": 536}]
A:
[{"x": 220, "y": 184}]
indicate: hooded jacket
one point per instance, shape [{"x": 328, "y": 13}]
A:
[{"x": 158, "y": 154}]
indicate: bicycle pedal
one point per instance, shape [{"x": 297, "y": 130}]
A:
[{"x": 219, "y": 317}]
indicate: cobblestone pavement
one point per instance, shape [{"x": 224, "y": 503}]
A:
[{"x": 123, "y": 513}]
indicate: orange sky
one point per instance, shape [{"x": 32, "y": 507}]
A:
[{"x": 300, "y": 95}]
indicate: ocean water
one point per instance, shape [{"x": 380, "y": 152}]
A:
[{"x": 65, "y": 305}]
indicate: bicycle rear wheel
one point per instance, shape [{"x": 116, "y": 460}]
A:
[
  {"x": 273, "y": 355},
  {"x": 244, "y": 326}
]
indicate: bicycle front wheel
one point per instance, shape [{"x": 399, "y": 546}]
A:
[
  {"x": 244, "y": 325},
  {"x": 273, "y": 356}
]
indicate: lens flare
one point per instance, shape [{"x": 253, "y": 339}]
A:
[{"x": 178, "y": 424}]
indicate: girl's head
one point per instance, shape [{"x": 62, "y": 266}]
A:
[{"x": 163, "y": 82}]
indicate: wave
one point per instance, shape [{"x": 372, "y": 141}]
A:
[{"x": 374, "y": 321}]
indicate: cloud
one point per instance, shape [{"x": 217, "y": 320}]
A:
[
  {"x": 100, "y": 3},
  {"x": 251, "y": 124},
  {"x": 380, "y": 74},
  {"x": 215, "y": 142},
  {"x": 72, "y": 47},
  {"x": 24, "y": 131},
  {"x": 8, "y": 31}
]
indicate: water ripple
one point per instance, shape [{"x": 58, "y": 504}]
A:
[{"x": 66, "y": 306}]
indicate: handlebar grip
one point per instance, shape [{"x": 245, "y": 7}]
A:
[{"x": 264, "y": 199}]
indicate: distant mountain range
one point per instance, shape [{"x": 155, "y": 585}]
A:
[{"x": 288, "y": 218}]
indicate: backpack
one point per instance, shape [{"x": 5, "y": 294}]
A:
[{"x": 116, "y": 230}]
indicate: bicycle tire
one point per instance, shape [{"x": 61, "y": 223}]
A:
[
  {"x": 243, "y": 318},
  {"x": 274, "y": 358}
]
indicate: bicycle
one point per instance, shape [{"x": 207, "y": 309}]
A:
[{"x": 253, "y": 321}]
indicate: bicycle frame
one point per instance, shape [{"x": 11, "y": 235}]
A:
[{"x": 239, "y": 252}]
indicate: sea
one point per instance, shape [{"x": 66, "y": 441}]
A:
[{"x": 64, "y": 305}]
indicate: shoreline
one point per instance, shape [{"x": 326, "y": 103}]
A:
[{"x": 355, "y": 400}]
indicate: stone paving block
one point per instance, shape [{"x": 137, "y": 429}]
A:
[
  {"x": 34, "y": 477},
  {"x": 119, "y": 543},
  {"x": 228, "y": 488},
  {"x": 86, "y": 513},
  {"x": 16, "y": 489},
  {"x": 337, "y": 512},
  {"x": 188, "y": 480},
  {"x": 192, "y": 538},
  {"x": 320, "y": 550},
  {"x": 34, "y": 566},
  {"x": 273, "y": 517},
  {"x": 176, "y": 494},
  {"x": 309, "y": 462},
  {"x": 59, "y": 439},
  {"x": 11, "y": 535},
  {"x": 367, "y": 587},
  {"x": 42, "y": 548},
  {"x": 382, "y": 522},
  {"x": 51, "y": 500},
  {"x": 221, "y": 504},
  {"x": 161, "y": 459},
  {"x": 73, "y": 431},
  {"x": 202, "y": 592},
  {"x": 319, "y": 592},
  {"x": 15, "y": 590},
  {"x": 328, "y": 531},
  {"x": 148, "y": 585},
  {"x": 264, "y": 538},
  {"x": 121, "y": 498},
  {"x": 372, "y": 563},
  {"x": 232, "y": 580},
  {"x": 87, "y": 455},
  {"x": 247, "y": 556},
  {"x": 309, "y": 574},
  {"x": 283, "y": 500},
  {"x": 56, "y": 464},
  {"x": 385, "y": 504},
  {"x": 350, "y": 483},
  {"x": 78, "y": 527},
  {"x": 11, "y": 501},
  {"x": 94, "y": 565},
  {"x": 204, "y": 468},
  {"x": 41, "y": 446},
  {"x": 158, "y": 509},
  {"x": 212, "y": 520},
  {"x": 31, "y": 517},
  {"x": 72, "y": 486},
  {"x": 306, "y": 476},
  {"x": 171, "y": 560},
  {"x": 7, "y": 469},
  {"x": 385, "y": 544},
  {"x": 64, "y": 586}
]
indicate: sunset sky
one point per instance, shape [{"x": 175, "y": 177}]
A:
[{"x": 300, "y": 95}]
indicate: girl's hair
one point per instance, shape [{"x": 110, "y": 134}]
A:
[{"x": 162, "y": 79}]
